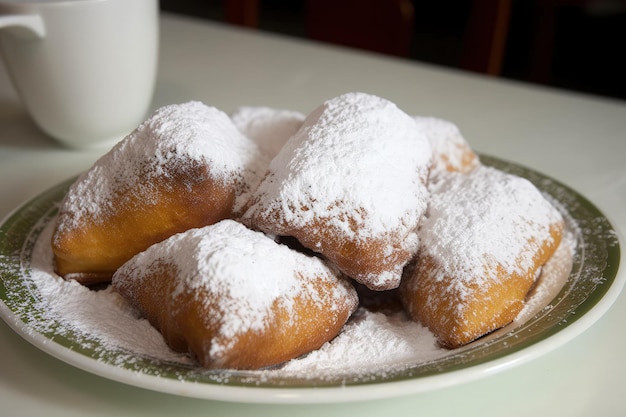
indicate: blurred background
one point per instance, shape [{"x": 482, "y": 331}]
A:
[{"x": 576, "y": 45}]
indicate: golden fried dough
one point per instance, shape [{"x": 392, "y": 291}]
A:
[
  {"x": 350, "y": 185},
  {"x": 483, "y": 240},
  {"x": 186, "y": 166},
  {"x": 234, "y": 298},
  {"x": 451, "y": 152}
]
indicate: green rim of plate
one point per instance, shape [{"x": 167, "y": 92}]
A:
[{"x": 594, "y": 272}]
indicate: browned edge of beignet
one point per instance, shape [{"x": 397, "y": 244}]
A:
[
  {"x": 235, "y": 298},
  {"x": 458, "y": 315},
  {"x": 358, "y": 258},
  {"x": 188, "y": 197}
]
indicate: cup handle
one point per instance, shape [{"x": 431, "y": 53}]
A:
[{"x": 27, "y": 26}]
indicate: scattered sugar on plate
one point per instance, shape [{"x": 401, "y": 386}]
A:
[
  {"x": 103, "y": 315},
  {"x": 370, "y": 343},
  {"x": 372, "y": 340}
]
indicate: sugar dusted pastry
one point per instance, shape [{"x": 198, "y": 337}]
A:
[
  {"x": 234, "y": 298},
  {"x": 451, "y": 152},
  {"x": 483, "y": 240},
  {"x": 186, "y": 166},
  {"x": 269, "y": 127},
  {"x": 350, "y": 185}
]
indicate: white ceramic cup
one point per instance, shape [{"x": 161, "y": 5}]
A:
[{"x": 84, "y": 69}]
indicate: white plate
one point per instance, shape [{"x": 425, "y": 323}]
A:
[{"x": 590, "y": 289}]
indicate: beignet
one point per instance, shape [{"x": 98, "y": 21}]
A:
[
  {"x": 451, "y": 152},
  {"x": 350, "y": 185},
  {"x": 270, "y": 128},
  {"x": 186, "y": 166},
  {"x": 482, "y": 242},
  {"x": 234, "y": 298}
]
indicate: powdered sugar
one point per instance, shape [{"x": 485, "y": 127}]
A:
[
  {"x": 451, "y": 152},
  {"x": 551, "y": 278},
  {"x": 371, "y": 342},
  {"x": 270, "y": 128},
  {"x": 356, "y": 154},
  {"x": 491, "y": 215},
  {"x": 103, "y": 315},
  {"x": 242, "y": 273},
  {"x": 175, "y": 136},
  {"x": 350, "y": 184}
]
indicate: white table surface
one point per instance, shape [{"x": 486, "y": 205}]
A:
[{"x": 577, "y": 139}]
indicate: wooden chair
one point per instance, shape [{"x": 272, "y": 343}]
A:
[
  {"x": 242, "y": 12},
  {"x": 485, "y": 36},
  {"x": 488, "y": 28},
  {"x": 384, "y": 26}
]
